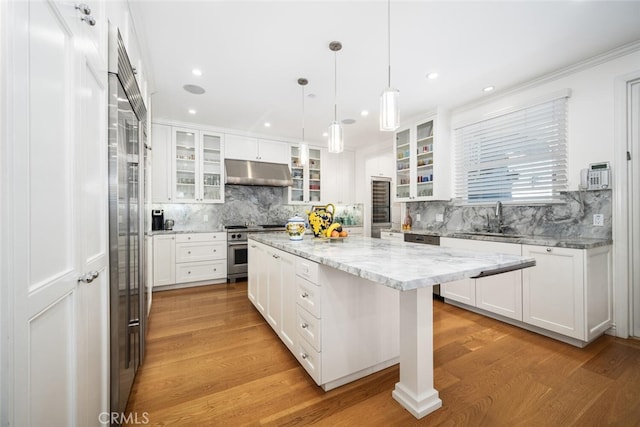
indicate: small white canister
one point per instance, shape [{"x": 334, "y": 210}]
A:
[{"x": 296, "y": 228}]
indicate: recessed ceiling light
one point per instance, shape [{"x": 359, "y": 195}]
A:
[
  {"x": 192, "y": 111},
  {"x": 267, "y": 124},
  {"x": 432, "y": 76},
  {"x": 196, "y": 72},
  {"x": 488, "y": 88},
  {"x": 364, "y": 113},
  {"x": 194, "y": 89},
  {"x": 325, "y": 134}
]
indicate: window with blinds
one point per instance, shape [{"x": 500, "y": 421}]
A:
[{"x": 519, "y": 156}]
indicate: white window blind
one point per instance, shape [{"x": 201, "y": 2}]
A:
[{"x": 520, "y": 156}]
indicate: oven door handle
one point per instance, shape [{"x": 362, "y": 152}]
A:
[{"x": 237, "y": 243}]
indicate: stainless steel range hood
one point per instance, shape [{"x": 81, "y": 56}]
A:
[{"x": 247, "y": 172}]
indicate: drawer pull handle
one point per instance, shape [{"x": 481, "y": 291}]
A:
[
  {"x": 548, "y": 249},
  {"x": 214, "y": 250},
  {"x": 189, "y": 252},
  {"x": 304, "y": 355},
  {"x": 304, "y": 325},
  {"x": 275, "y": 256},
  {"x": 188, "y": 272},
  {"x": 304, "y": 295}
]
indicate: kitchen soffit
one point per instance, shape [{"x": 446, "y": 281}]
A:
[{"x": 251, "y": 54}]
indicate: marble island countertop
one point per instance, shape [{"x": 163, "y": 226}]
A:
[
  {"x": 537, "y": 240},
  {"x": 398, "y": 265}
]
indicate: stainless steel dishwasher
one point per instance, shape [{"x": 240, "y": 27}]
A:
[{"x": 425, "y": 239}]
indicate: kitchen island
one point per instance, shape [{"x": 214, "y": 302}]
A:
[{"x": 367, "y": 263}]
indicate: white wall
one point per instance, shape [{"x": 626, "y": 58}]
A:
[{"x": 591, "y": 110}]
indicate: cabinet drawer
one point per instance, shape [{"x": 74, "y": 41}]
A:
[
  {"x": 309, "y": 327},
  {"x": 391, "y": 235},
  {"x": 307, "y": 269},
  {"x": 200, "y": 251},
  {"x": 201, "y": 237},
  {"x": 204, "y": 270},
  {"x": 309, "y": 359},
  {"x": 308, "y": 296}
]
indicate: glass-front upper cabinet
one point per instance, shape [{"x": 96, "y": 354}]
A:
[
  {"x": 198, "y": 166},
  {"x": 212, "y": 165},
  {"x": 423, "y": 168},
  {"x": 403, "y": 164},
  {"x": 306, "y": 176},
  {"x": 185, "y": 164}
]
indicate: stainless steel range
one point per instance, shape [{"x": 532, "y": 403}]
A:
[{"x": 237, "y": 254}]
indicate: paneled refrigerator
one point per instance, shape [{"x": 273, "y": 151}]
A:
[{"x": 126, "y": 133}]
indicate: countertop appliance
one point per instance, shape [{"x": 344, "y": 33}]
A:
[
  {"x": 157, "y": 219},
  {"x": 380, "y": 205},
  {"x": 237, "y": 252},
  {"x": 127, "y": 137},
  {"x": 425, "y": 239}
]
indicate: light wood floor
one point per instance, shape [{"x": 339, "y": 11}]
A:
[{"x": 212, "y": 360}]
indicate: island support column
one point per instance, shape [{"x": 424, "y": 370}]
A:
[{"x": 415, "y": 390}]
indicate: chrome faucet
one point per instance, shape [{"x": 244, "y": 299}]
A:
[{"x": 499, "y": 216}]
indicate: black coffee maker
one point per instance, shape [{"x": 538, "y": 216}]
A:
[{"x": 157, "y": 219}]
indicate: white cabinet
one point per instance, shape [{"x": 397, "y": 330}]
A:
[
  {"x": 198, "y": 166},
  {"x": 161, "y": 164},
  {"x": 568, "y": 293},
  {"x": 200, "y": 257},
  {"x": 307, "y": 178},
  {"x": 190, "y": 258},
  {"x": 569, "y": 290},
  {"x": 500, "y": 294},
  {"x": 338, "y": 327},
  {"x": 338, "y": 177},
  {"x": 187, "y": 165},
  {"x": 271, "y": 289},
  {"x": 423, "y": 167},
  {"x": 249, "y": 148},
  {"x": 392, "y": 235},
  {"x": 164, "y": 260},
  {"x": 354, "y": 231}
]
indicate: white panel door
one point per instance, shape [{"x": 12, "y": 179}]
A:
[
  {"x": 93, "y": 310},
  {"x": 56, "y": 213},
  {"x": 45, "y": 237}
]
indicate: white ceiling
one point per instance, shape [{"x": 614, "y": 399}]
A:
[{"x": 251, "y": 54}]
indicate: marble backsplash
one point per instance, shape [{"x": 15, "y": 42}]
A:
[
  {"x": 573, "y": 218},
  {"x": 246, "y": 205}
]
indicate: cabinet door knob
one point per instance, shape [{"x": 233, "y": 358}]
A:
[
  {"x": 548, "y": 249},
  {"x": 305, "y": 295},
  {"x": 189, "y": 252},
  {"x": 275, "y": 256},
  {"x": 304, "y": 355},
  {"x": 88, "y": 277},
  {"x": 89, "y": 20},
  {"x": 84, "y": 8},
  {"x": 304, "y": 325}
]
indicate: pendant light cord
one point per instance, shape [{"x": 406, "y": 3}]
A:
[
  {"x": 389, "y": 38},
  {"x": 302, "y": 113},
  {"x": 335, "y": 85}
]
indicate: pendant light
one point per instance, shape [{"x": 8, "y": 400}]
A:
[
  {"x": 303, "y": 147},
  {"x": 336, "y": 136},
  {"x": 389, "y": 109}
]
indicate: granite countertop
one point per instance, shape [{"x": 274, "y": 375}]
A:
[
  {"x": 399, "y": 265},
  {"x": 537, "y": 240}
]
